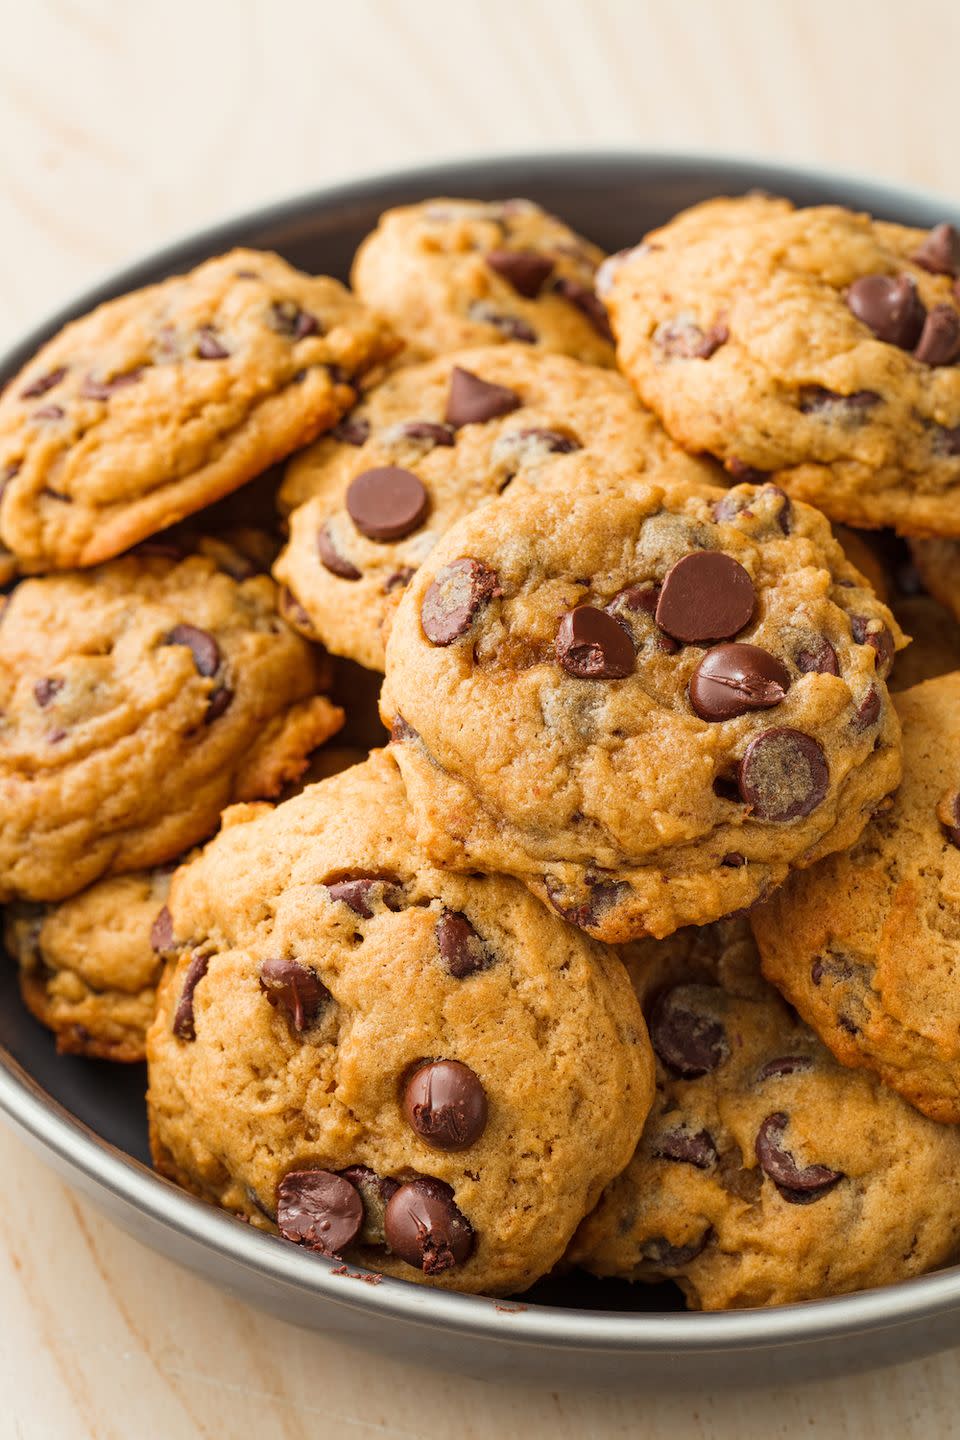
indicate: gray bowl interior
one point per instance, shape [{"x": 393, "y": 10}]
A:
[{"x": 88, "y": 1117}]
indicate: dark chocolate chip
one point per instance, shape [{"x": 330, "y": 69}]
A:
[
  {"x": 880, "y": 640},
  {"x": 351, "y": 432},
  {"x": 797, "y": 1185},
  {"x": 45, "y": 690},
  {"x": 706, "y": 596},
  {"x": 471, "y": 400},
  {"x": 784, "y": 1065},
  {"x": 512, "y": 327},
  {"x": 428, "y": 430},
  {"x": 592, "y": 645},
  {"x": 939, "y": 252},
  {"x": 455, "y": 599},
  {"x": 684, "y": 339},
  {"x": 783, "y": 774},
  {"x": 201, "y": 644},
  {"x": 867, "y": 712},
  {"x": 387, "y": 503},
  {"x": 525, "y": 270},
  {"x": 94, "y": 389},
  {"x": 726, "y": 787},
  {"x": 939, "y": 342},
  {"x": 290, "y": 320},
  {"x": 889, "y": 306},
  {"x": 361, "y": 889},
  {"x": 50, "y": 412},
  {"x": 319, "y": 1209},
  {"x": 733, "y": 860},
  {"x": 553, "y": 441},
  {"x": 210, "y": 346},
  {"x": 295, "y": 989},
  {"x": 161, "y": 932},
  {"x": 591, "y": 307},
  {"x": 424, "y": 1227},
  {"x": 688, "y": 1042},
  {"x": 735, "y": 678},
  {"x": 586, "y": 914},
  {"x": 183, "y": 1019},
  {"x": 330, "y": 557},
  {"x": 687, "y": 1147},
  {"x": 53, "y": 737},
  {"x": 400, "y": 730},
  {"x": 816, "y": 399},
  {"x": 399, "y": 580},
  {"x": 819, "y": 658},
  {"x": 43, "y": 383},
  {"x": 219, "y": 704},
  {"x": 658, "y": 1250},
  {"x": 462, "y": 952},
  {"x": 445, "y": 1103}
]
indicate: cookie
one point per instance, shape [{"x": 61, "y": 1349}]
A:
[
  {"x": 89, "y": 966},
  {"x": 410, "y": 1069},
  {"x": 648, "y": 703},
  {"x": 938, "y": 562},
  {"x": 934, "y": 647},
  {"x": 425, "y": 448},
  {"x": 157, "y": 404},
  {"x": 453, "y": 273},
  {"x": 866, "y": 945},
  {"x": 767, "y": 1173},
  {"x": 138, "y": 699},
  {"x": 818, "y": 346}
]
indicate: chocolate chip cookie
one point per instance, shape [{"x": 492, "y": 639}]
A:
[
  {"x": 425, "y": 448},
  {"x": 158, "y": 403},
  {"x": 136, "y": 700},
  {"x": 819, "y": 346},
  {"x": 384, "y": 1061},
  {"x": 866, "y": 945},
  {"x": 453, "y": 273},
  {"x": 767, "y": 1173},
  {"x": 648, "y": 703}
]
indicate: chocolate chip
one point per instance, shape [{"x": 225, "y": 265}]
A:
[
  {"x": 399, "y": 580},
  {"x": 880, "y": 639},
  {"x": 43, "y": 383},
  {"x": 818, "y": 658},
  {"x": 471, "y": 400},
  {"x": 319, "y": 1209},
  {"x": 783, "y": 775},
  {"x": 867, "y": 712},
  {"x": 592, "y": 645},
  {"x": 220, "y": 702},
  {"x": 939, "y": 252},
  {"x": 743, "y": 473},
  {"x": 45, "y": 690},
  {"x": 889, "y": 306},
  {"x": 687, "y": 1148},
  {"x": 424, "y": 1227},
  {"x": 183, "y": 1020},
  {"x": 733, "y": 860},
  {"x": 948, "y": 813},
  {"x": 816, "y": 400},
  {"x": 683, "y": 339},
  {"x": 427, "y": 430},
  {"x": 161, "y": 932},
  {"x": 462, "y": 952},
  {"x": 586, "y": 914},
  {"x": 288, "y": 319},
  {"x": 351, "y": 432},
  {"x": 705, "y": 596},
  {"x": 658, "y": 1250},
  {"x": 688, "y": 1042},
  {"x": 525, "y": 270},
  {"x": 784, "y": 1065},
  {"x": 387, "y": 503},
  {"x": 455, "y": 599},
  {"x": 94, "y": 389},
  {"x": 797, "y": 1186},
  {"x": 730, "y": 680},
  {"x": 295, "y": 989},
  {"x": 400, "y": 730},
  {"x": 330, "y": 557},
  {"x": 582, "y": 298},
  {"x": 201, "y": 644},
  {"x": 209, "y": 345},
  {"x": 53, "y": 737},
  {"x": 360, "y": 890},
  {"x": 726, "y": 787},
  {"x": 939, "y": 342},
  {"x": 512, "y": 327},
  {"x": 553, "y": 441},
  {"x": 49, "y": 412},
  {"x": 445, "y": 1103}
]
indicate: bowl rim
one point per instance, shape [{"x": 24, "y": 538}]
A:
[{"x": 78, "y": 1148}]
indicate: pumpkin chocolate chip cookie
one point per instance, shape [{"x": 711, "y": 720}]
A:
[
  {"x": 156, "y": 404},
  {"x": 648, "y": 703},
  {"x": 819, "y": 346},
  {"x": 385, "y": 1061},
  {"x": 766, "y": 1173}
]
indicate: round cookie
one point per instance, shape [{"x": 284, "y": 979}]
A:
[
  {"x": 409, "y": 1068},
  {"x": 767, "y": 1173},
  {"x": 89, "y": 966},
  {"x": 137, "y": 700},
  {"x": 818, "y": 346},
  {"x": 463, "y": 426},
  {"x": 648, "y": 703},
  {"x": 453, "y": 273},
  {"x": 934, "y": 647},
  {"x": 866, "y": 945},
  {"x": 938, "y": 562},
  {"x": 158, "y": 403}
]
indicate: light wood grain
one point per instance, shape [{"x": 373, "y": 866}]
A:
[{"x": 124, "y": 124}]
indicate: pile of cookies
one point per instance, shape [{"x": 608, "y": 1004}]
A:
[{"x": 633, "y": 943}]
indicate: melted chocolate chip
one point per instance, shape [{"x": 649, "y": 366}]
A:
[
  {"x": 783, "y": 775},
  {"x": 939, "y": 342},
  {"x": 889, "y": 306},
  {"x": 586, "y": 914},
  {"x": 184, "y": 1026},
  {"x": 867, "y": 712},
  {"x": 471, "y": 401},
  {"x": 43, "y": 383},
  {"x": 46, "y": 689},
  {"x": 526, "y": 271},
  {"x": 201, "y": 644},
  {"x": 797, "y": 1185},
  {"x": 512, "y": 327},
  {"x": 351, "y": 432},
  {"x": 455, "y": 599},
  {"x": 684, "y": 339},
  {"x": 399, "y": 580},
  {"x": 784, "y": 1065},
  {"x": 161, "y": 933},
  {"x": 387, "y": 503},
  {"x": 94, "y": 389},
  {"x": 428, "y": 431},
  {"x": 658, "y": 1250},
  {"x": 939, "y": 252},
  {"x": 706, "y": 596},
  {"x": 445, "y": 1103},
  {"x": 582, "y": 298},
  {"x": 424, "y": 1227},
  {"x": 592, "y": 645},
  {"x": 733, "y": 860},
  {"x": 360, "y": 890},
  {"x": 294, "y": 989},
  {"x": 880, "y": 639},
  {"x": 687, "y": 1041},
  {"x": 50, "y": 412},
  {"x": 319, "y": 1209},
  {"x": 220, "y": 702},
  {"x": 462, "y": 952},
  {"x": 731, "y": 680},
  {"x": 210, "y": 346},
  {"x": 816, "y": 400},
  {"x": 330, "y": 557},
  {"x": 687, "y": 1147},
  {"x": 288, "y": 319},
  {"x": 819, "y": 657}
]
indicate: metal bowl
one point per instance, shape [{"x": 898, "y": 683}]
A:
[{"x": 87, "y": 1117}]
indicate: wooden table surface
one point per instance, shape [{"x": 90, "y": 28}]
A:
[{"x": 125, "y": 125}]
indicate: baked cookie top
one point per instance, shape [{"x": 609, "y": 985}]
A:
[
  {"x": 647, "y": 702},
  {"x": 405, "y": 1067},
  {"x": 866, "y": 944},
  {"x": 452, "y": 273},
  {"x": 767, "y": 1173},
  {"x": 156, "y": 404},
  {"x": 818, "y": 345},
  {"x": 136, "y": 700},
  {"x": 426, "y": 447}
]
